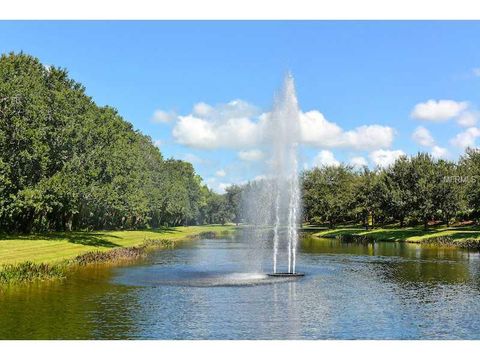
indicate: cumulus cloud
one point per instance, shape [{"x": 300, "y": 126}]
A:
[
  {"x": 358, "y": 161},
  {"x": 318, "y": 131},
  {"x": 466, "y": 138},
  {"x": 423, "y": 137},
  {"x": 250, "y": 155},
  {"x": 233, "y": 109},
  {"x": 194, "y": 132},
  {"x": 221, "y": 173},
  {"x": 239, "y": 125},
  {"x": 439, "y": 152},
  {"x": 224, "y": 126},
  {"x": 468, "y": 119},
  {"x": 438, "y": 110},
  {"x": 160, "y": 116},
  {"x": 325, "y": 158},
  {"x": 385, "y": 158}
]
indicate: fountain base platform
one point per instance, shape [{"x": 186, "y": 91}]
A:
[{"x": 286, "y": 274}]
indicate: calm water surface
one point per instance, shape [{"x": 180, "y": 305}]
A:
[{"x": 202, "y": 290}]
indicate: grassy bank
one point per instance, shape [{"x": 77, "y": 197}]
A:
[
  {"x": 464, "y": 237},
  {"x": 40, "y": 256}
]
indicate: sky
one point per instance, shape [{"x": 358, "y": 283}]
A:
[{"x": 368, "y": 91}]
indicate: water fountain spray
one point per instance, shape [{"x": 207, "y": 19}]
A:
[
  {"x": 284, "y": 135},
  {"x": 272, "y": 205}
]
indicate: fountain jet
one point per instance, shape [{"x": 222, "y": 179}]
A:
[
  {"x": 284, "y": 136},
  {"x": 272, "y": 205}
]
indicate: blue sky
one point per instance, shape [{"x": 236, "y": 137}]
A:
[{"x": 364, "y": 88}]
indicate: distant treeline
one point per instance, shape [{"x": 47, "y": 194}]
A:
[
  {"x": 414, "y": 190},
  {"x": 67, "y": 164}
]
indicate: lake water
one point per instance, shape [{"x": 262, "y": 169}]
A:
[{"x": 201, "y": 290}]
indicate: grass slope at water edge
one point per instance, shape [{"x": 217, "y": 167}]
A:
[
  {"x": 453, "y": 236},
  {"x": 52, "y": 248}
]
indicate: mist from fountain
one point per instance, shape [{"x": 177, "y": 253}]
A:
[{"x": 272, "y": 205}]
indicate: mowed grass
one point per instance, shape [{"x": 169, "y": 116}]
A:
[
  {"x": 52, "y": 248},
  {"x": 411, "y": 234}
]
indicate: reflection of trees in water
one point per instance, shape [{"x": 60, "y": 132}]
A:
[
  {"x": 406, "y": 262},
  {"x": 72, "y": 309}
]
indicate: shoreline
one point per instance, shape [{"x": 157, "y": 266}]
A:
[
  {"x": 464, "y": 238},
  {"x": 130, "y": 245},
  {"x": 28, "y": 271}
]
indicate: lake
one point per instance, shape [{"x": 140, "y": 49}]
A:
[{"x": 203, "y": 290}]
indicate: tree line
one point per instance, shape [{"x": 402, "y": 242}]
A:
[
  {"x": 68, "y": 164},
  {"x": 414, "y": 190}
]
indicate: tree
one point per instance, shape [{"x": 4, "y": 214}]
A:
[
  {"x": 328, "y": 194},
  {"x": 398, "y": 181},
  {"x": 368, "y": 195},
  {"x": 233, "y": 202},
  {"x": 447, "y": 194},
  {"x": 469, "y": 172}
]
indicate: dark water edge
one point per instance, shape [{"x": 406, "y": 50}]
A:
[{"x": 203, "y": 290}]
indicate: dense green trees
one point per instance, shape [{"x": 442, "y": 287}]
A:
[
  {"x": 66, "y": 163},
  {"x": 328, "y": 193},
  {"x": 469, "y": 177},
  {"x": 417, "y": 190}
]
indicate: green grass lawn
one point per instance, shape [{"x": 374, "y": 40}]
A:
[
  {"x": 53, "y": 248},
  {"x": 411, "y": 234}
]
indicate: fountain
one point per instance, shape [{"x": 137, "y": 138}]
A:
[
  {"x": 277, "y": 199},
  {"x": 285, "y": 134}
]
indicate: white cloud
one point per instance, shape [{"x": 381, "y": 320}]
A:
[
  {"x": 325, "y": 158},
  {"x": 160, "y": 116},
  {"x": 438, "y": 111},
  {"x": 194, "y": 132},
  {"x": 239, "y": 125},
  {"x": 476, "y": 71},
  {"x": 202, "y": 109},
  {"x": 439, "y": 152},
  {"x": 157, "y": 143},
  {"x": 467, "y": 138},
  {"x": 358, "y": 161},
  {"x": 221, "y": 173},
  {"x": 250, "y": 155},
  {"x": 369, "y": 137},
  {"x": 233, "y": 109},
  {"x": 224, "y": 126},
  {"x": 467, "y": 119},
  {"x": 318, "y": 131},
  {"x": 385, "y": 158},
  {"x": 423, "y": 137}
]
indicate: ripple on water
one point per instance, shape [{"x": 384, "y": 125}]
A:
[{"x": 197, "y": 278}]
